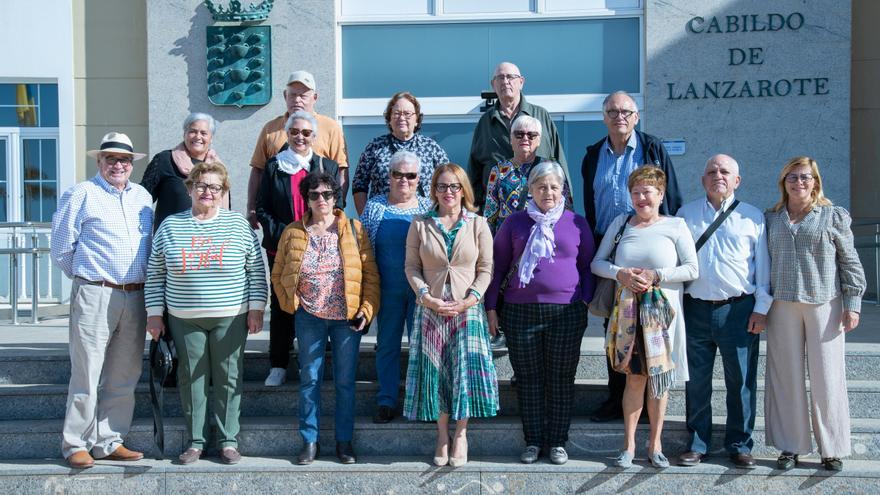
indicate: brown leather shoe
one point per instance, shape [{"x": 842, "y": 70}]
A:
[
  {"x": 743, "y": 461},
  {"x": 690, "y": 458},
  {"x": 229, "y": 455},
  {"x": 80, "y": 460},
  {"x": 123, "y": 454}
]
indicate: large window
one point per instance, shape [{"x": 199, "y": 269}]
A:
[{"x": 571, "y": 53}]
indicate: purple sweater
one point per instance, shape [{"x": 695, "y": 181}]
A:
[{"x": 564, "y": 280}]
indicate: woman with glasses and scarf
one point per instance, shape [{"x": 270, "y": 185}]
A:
[
  {"x": 655, "y": 256},
  {"x": 206, "y": 270},
  {"x": 507, "y": 191},
  {"x": 403, "y": 116},
  {"x": 817, "y": 283},
  {"x": 279, "y": 203},
  {"x": 449, "y": 267},
  {"x": 542, "y": 263},
  {"x": 387, "y": 218},
  {"x": 326, "y": 277}
]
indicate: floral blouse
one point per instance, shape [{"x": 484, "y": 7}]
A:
[
  {"x": 371, "y": 176},
  {"x": 508, "y": 192},
  {"x": 321, "y": 287}
]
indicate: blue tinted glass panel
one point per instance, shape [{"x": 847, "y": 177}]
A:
[
  {"x": 48, "y": 105},
  {"x": 557, "y": 57},
  {"x": 7, "y": 94},
  {"x": 3, "y": 217},
  {"x": 49, "y": 198},
  {"x": 455, "y": 139},
  {"x": 48, "y": 159},
  {"x": 576, "y": 135},
  {"x": 31, "y": 201},
  {"x": 2, "y": 160},
  {"x": 30, "y": 158}
]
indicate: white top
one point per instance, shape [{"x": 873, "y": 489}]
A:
[
  {"x": 666, "y": 247},
  {"x": 734, "y": 260}
]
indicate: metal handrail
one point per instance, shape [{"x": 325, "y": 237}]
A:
[{"x": 14, "y": 252}]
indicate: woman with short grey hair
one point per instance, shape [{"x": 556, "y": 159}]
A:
[
  {"x": 508, "y": 191},
  {"x": 165, "y": 175},
  {"x": 279, "y": 203}
]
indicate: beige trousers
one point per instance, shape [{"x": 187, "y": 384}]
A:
[
  {"x": 107, "y": 333},
  {"x": 793, "y": 327}
]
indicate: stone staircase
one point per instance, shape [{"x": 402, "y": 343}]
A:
[{"x": 395, "y": 457}]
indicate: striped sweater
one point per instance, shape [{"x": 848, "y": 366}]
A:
[{"x": 205, "y": 268}]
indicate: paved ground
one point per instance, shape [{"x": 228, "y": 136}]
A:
[{"x": 50, "y": 335}]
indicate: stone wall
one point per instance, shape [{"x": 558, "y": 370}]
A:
[{"x": 760, "y": 81}]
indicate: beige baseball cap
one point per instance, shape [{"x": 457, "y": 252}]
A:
[{"x": 304, "y": 77}]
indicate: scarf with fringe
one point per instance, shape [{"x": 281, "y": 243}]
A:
[
  {"x": 542, "y": 240},
  {"x": 652, "y": 314}
]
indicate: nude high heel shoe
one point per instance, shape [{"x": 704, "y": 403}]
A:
[
  {"x": 459, "y": 461},
  {"x": 442, "y": 460}
]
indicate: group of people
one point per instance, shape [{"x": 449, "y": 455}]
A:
[{"x": 688, "y": 281}]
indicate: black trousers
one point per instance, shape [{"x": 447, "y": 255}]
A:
[
  {"x": 544, "y": 341},
  {"x": 281, "y": 331}
]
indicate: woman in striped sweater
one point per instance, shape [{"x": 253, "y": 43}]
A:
[{"x": 206, "y": 269}]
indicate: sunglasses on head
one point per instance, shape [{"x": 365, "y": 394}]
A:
[
  {"x": 404, "y": 175},
  {"x": 296, "y": 132},
  {"x": 314, "y": 195}
]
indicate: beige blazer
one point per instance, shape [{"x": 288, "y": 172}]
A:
[{"x": 428, "y": 266}]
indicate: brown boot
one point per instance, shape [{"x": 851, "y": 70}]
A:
[
  {"x": 123, "y": 454},
  {"x": 80, "y": 460}
]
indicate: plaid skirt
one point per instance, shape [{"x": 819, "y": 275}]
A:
[{"x": 450, "y": 367}]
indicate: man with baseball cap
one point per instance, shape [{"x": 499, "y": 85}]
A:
[
  {"x": 101, "y": 237},
  {"x": 300, "y": 94}
]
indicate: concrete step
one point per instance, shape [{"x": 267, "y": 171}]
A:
[
  {"x": 48, "y": 401},
  {"x": 482, "y": 475},
  {"x": 862, "y": 363},
  {"x": 501, "y": 436}
]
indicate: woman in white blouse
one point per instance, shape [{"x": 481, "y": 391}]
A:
[{"x": 652, "y": 250}]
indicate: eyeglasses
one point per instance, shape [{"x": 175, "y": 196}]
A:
[
  {"x": 314, "y": 195},
  {"x": 507, "y": 77},
  {"x": 396, "y": 114},
  {"x": 296, "y": 132},
  {"x": 441, "y": 187},
  {"x": 404, "y": 175},
  {"x": 201, "y": 187},
  {"x": 794, "y": 178},
  {"x": 125, "y": 161},
  {"x": 521, "y": 134},
  {"x": 617, "y": 113}
]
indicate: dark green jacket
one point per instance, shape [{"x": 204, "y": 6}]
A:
[{"x": 491, "y": 144}]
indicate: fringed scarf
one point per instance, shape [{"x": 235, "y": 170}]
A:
[
  {"x": 541, "y": 242},
  {"x": 652, "y": 313}
]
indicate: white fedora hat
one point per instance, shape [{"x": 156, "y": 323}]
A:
[{"x": 116, "y": 142}]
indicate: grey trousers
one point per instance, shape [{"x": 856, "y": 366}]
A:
[
  {"x": 107, "y": 333},
  {"x": 793, "y": 327}
]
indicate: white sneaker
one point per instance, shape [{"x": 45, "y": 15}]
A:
[{"x": 276, "y": 377}]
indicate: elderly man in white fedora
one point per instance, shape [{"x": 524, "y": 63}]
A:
[{"x": 101, "y": 237}]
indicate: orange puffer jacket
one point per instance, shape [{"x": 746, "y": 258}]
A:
[{"x": 359, "y": 268}]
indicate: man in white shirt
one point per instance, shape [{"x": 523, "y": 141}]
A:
[{"x": 725, "y": 310}]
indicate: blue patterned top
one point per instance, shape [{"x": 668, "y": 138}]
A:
[
  {"x": 371, "y": 176},
  {"x": 102, "y": 233},
  {"x": 375, "y": 211}
]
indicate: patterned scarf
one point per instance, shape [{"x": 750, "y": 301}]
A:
[
  {"x": 542, "y": 241},
  {"x": 184, "y": 162},
  {"x": 652, "y": 313}
]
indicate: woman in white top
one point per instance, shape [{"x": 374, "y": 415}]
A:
[{"x": 652, "y": 250}]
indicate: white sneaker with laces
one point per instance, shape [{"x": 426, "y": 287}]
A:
[{"x": 276, "y": 377}]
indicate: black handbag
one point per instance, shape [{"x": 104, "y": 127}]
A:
[
  {"x": 163, "y": 373},
  {"x": 603, "y": 297}
]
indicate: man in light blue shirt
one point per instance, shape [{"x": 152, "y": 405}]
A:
[
  {"x": 725, "y": 310},
  {"x": 101, "y": 237}
]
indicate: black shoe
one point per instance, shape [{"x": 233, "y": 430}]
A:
[
  {"x": 690, "y": 458},
  {"x": 832, "y": 463},
  {"x": 743, "y": 461},
  {"x": 607, "y": 412},
  {"x": 499, "y": 341},
  {"x": 383, "y": 415},
  {"x": 512, "y": 380},
  {"x": 345, "y": 453},
  {"x": 786, "y": 461},
  {"x": 309, "y": 452}
]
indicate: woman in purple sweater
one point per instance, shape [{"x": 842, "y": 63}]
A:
[{"x": 542, "y": 265}]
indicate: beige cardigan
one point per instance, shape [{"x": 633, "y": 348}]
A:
[{"x": 428, "y": 266}]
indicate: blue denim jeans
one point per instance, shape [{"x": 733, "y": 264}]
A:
[
  {"x": 312, "y": 333},
  {"x": 724, "y": 328},
  {"x": 396, "y": 309}
]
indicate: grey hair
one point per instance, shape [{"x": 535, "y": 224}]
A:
[
  {"x": 548, "y": 167},
  {"x": 526, "y": 122},
  {"x": 616, "y": 93},
  {"x": 404, "y": 156},
  {"x": 301, "y": 115},
  {"x": 197, "y": 116}
]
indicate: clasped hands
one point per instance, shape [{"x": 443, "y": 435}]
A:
[
  {"x": 448, "y": 308},
  {"x": 637, "y": 280}
]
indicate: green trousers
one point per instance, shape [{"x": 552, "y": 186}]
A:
[{"x": 210, "y": 351}]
